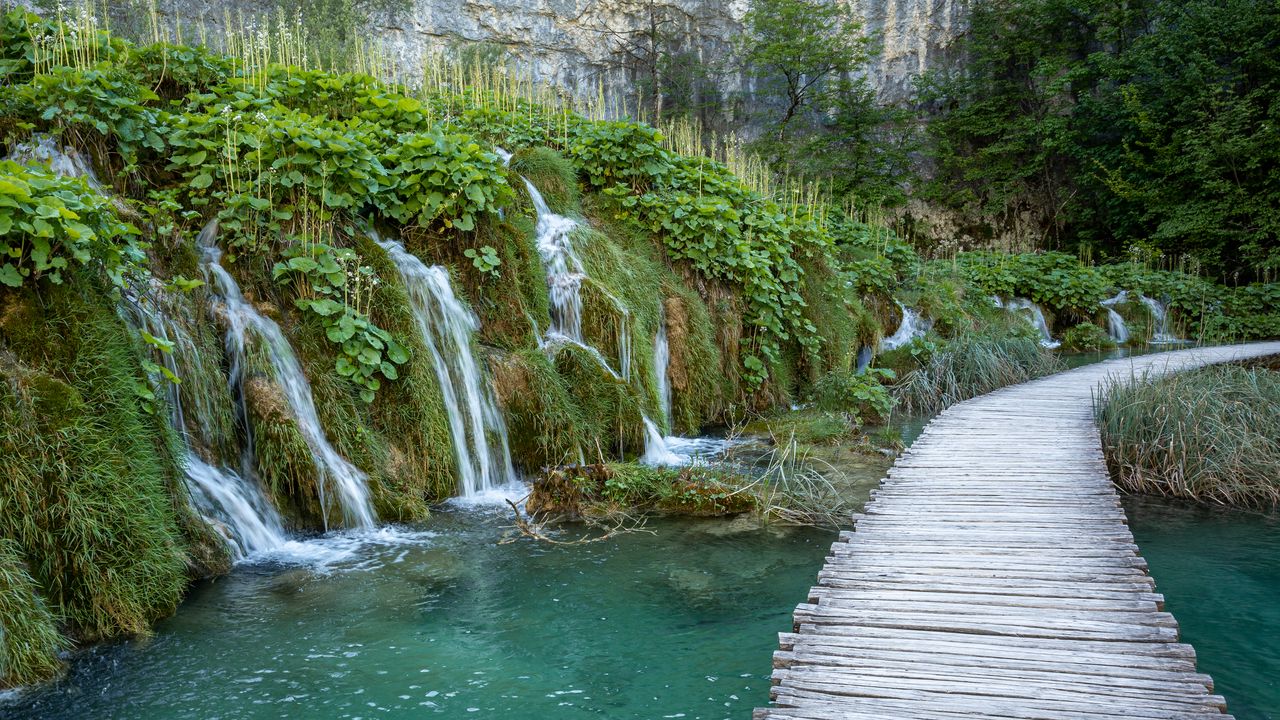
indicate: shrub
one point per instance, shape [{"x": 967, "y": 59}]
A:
[
  {"x": 860, "y": 396},
  {"x": 48, "y": 222},
  {"x": 1087, "y": 336}
]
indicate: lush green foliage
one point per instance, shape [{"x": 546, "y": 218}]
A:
[
  {"x": 444, "y": 178},
  {"x": 333, "y": 285},
  {"x": 1087, "y": 336},
  {"x": 1206, "y": 435},
  {"x": 47, "y": 223},
  {"x": 1146, "y": 127},
  {"x": 1054, "y": 280},
  {"x": 862, "y": 397}
]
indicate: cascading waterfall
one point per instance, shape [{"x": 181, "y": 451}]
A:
[
  {"x": 246, "y": 324},
  {"x": 1116, "y": 326},
  {"x": 913, "y": 325},
  {"x": 1035, "y": 316},
  {"x": 1160, "y": 319},
  {"x": 446, "y": 325},
  {"x": 229, "y": 501},
  {"x": 565, "y": 274},
  {"x": 661, "y": 360},
  {"x": 564, "y": 268}
]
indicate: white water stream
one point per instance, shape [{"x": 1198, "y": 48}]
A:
[
  {"x": 446, "y": 326},
  {"x": 1034, "y": 315},
  {"x": 246, "y": 325},
  {"x": 231, "y": 502},
  {"x": 1116, "y": 326},
  {"x": 913, "y": 325},
  {"x": 565, "y": 274}
]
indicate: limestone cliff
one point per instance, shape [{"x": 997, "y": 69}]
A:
[{"x": 581, "y": 45}]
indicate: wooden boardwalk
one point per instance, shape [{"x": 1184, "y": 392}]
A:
[{"x": 993, "y": 576}]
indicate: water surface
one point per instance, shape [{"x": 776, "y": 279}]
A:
[
  {"x": 442, "y": 621},
  {"x": 1219, "y": 571}
]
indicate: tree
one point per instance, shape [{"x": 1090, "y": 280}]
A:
[
  {"x": 801, "y": 45},
  {"x": 657, "y": 46}
]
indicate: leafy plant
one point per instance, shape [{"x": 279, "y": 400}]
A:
[
  {"x": 48, "y": 222},
  {"x": 333, "y": 286},
  {"x": 860, "y": 396},
  {"x": 485, "y": 259},
  {"x": 443, "y": 178},
  {"x": 1087, "y": 336}
]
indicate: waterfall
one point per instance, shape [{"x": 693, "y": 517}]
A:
[
  {"x": 661, "y": 361},
  {"x": 865, "y": 354},
  {"x": 565, "y": 274},
  {"x": 1116, "y": 327},
  {"x": 1119, "y": 331},
  {"x": 230, "y": 503},
  {"x": 446, "y": 326},
  {"x": 245, "y": 323},
  {"x": 911, "y": 327},
  {"x": 233, "y": 504},
  {"x": 1160, "y": 319},
  {"x": 1034, "y": 315},
  {"x": 554, "y": 235},
  {"x": 67, "y": 162}
]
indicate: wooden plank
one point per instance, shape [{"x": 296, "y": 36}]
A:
[{"x": 992, "y": 575}]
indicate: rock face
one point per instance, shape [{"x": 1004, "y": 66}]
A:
[{"x": 584, "y": 45}]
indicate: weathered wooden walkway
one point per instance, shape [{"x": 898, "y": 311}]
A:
[{"x": 993, "y": 576}]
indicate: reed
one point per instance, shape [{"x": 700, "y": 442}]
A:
[
  {"x": 969, "y": 366},
  {"x": 1208, "y": 435}
]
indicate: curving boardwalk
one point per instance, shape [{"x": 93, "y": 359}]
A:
[{"x": 993, "y": 576}]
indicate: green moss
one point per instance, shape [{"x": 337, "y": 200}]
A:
[
  {"x": 544, "y": 422},
  {"x": 607, "y": 404},
  {"x": 630, "y": 266},
  {"x": 90, "y": 468},
  {"x": 553, "y": 176}
]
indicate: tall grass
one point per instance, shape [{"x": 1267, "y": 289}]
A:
[
  {"x": 969, "y": 366},
  {"x": 1210, "y": 435},
  {"x": 89, "y": 465},
  {"x": 29, "y": 638}
]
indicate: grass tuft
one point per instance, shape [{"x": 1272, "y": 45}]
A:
[
  {"x": 969, "y": 366},
  {"x": 1207, "y": 435}
]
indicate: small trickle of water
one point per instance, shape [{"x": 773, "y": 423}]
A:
[
  {"x": 865, "y": 355},
  {"x": 233, "y": 505},
  {"x": 1035, "y": 316},
  {"x": 244, "y": 321},
  {"x": 67, "y": 162},
  {"x": 661, "y": 361},
  {"x": 446, "y": 326},
  {"x": 1161, "y": 334},
  {"x": 913, "y": 325}
]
